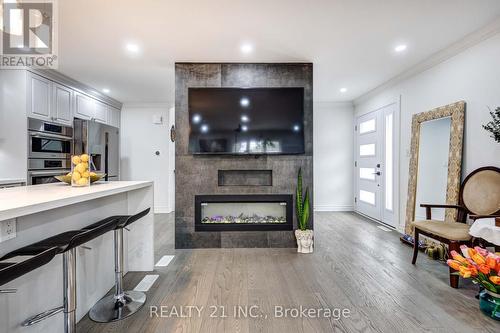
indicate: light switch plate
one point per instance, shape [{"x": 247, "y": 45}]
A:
[
  {"x": 7, "y": 230},
  {"x": 157, "y": 119}
]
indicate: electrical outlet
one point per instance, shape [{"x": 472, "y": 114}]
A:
[{"x": 7, "y": 230}]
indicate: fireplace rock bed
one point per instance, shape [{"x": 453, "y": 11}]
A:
[{"x": 244, "y": 219}]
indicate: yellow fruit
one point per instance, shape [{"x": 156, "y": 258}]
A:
[
  {"x": 69, "y": 174},
  {"x": 81, "y": 167},
  {"x": 76, "y": 176},
  {"x": 86, "y": 174},
  {"x": 75, "y": 159},
  {"x": 84, "y": 157},
  {"x": 93, "y": 174},
  {"x": 83, "y": 181}
]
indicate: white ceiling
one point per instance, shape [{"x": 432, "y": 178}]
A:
[{"x": 350, "y": 42}]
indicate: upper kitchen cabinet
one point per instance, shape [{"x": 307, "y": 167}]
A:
[
  {"x": 53, "y": 97},
  {"x": 49, "y": 101},
  {"x": 114, "y": 117},
  {"x": 62, "y": 106},
  {"x": 101, "y": 112},
  {"x": 91, "y": 109},
  {"x": 39, "y": 95},
  {"x": 84, "y": 107}
]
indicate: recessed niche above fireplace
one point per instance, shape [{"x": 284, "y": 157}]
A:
[
  {"x": 243, "y": 212},
  {"x": 245, "y": 177}
]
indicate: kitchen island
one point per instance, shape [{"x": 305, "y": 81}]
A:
[{"x": 42, "y": 211}]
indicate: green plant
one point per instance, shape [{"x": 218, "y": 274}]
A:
[
  {"x": 494, "y": 125},
  {"x": 302, "y": 204}
]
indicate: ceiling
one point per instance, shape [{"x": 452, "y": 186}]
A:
[{"x": 350, "y": 42}]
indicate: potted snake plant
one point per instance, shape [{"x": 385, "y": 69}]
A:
[{"x": 303, "y": 209}]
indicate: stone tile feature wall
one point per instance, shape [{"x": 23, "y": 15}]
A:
[{"x": 197, "y": 175}]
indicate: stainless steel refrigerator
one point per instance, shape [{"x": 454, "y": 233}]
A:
[{"x": 102, "y": 143}]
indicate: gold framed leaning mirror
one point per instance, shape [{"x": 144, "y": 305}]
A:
[{"x": 435, "y": 162}]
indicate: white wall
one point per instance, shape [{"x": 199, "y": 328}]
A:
[
  {"x": 333, "y": 156},
  {"x": 13, "y": 125},
  {"x": 140, "y": 139},
  {"x": 473, "y": 76}
]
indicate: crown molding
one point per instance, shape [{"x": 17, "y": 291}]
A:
[
  {"x": 333, "y": 103},
  {"x": 435, "y": 59},
  {"x": 151, "y": 105}
]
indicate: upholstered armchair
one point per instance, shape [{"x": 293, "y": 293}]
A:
[{"x": 479, "y": 198}]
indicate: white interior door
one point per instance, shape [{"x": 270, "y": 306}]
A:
[{"x": 374, "y": 164}]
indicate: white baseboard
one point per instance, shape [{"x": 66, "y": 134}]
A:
[
  {"x": 333, "y": 208},
  {"x": 162, "y": 210},
  {"x": 401, "y": 229}
]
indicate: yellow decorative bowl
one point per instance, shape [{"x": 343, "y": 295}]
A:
[{"x": 67, "y": 178}]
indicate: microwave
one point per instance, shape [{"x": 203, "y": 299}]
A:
[{"x": 47, "y": 140}]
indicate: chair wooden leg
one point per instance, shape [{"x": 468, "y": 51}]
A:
[
  {"x": 415, "y": 247},
  {"x": 453, "y": 246}
]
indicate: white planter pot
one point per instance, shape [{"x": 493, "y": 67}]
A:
[{"x": 304, "y": 241}]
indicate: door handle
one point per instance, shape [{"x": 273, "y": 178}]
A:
[{"x": 49, "y": 136}]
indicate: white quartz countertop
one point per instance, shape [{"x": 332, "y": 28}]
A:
[
  {"x": 6, "y": 181},
  {"x": 26, "y": 200}
]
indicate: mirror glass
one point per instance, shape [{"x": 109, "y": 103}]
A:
[{"x": 432, "y": 178}]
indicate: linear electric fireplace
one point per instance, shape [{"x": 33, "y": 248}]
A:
[{"x": 243, "y": 212}]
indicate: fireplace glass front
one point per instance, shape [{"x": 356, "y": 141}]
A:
[
  {"x": 259, "y": 212},
  {"x": 243, "y": 212}
]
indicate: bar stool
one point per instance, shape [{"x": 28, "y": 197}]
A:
[
  {"x": 65, "y": 243},
  {"x": 11, "y": 270},
  {"x": 123, "y": 303}
]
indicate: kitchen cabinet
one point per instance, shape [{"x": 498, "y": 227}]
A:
[
  {"x": 39, "y": 95},
  {"x": 113, "y": 117},
  {"x": 62, "y": 105},
  {"x": 91, "y": 109},
  {"x": 84, "y": 107},
  {"x": 49, "y": 101},
  {"x": 101, "y": 112}
]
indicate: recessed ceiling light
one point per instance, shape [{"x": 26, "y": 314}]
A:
[
  {"x": 400, "y": 48},
  {"x": 204, "y": 128},
  {"x": 246, "y": 48},
  {"x": 196, "y": 119},
  {"x": 132, "y": 48},
  {"x": 244, "y": 118},
  {"x": 106, "y": 90},
  {"x": 343, "y": 90},
  {"x": 244, "y": 128},
  {"x": 296, "y": 128},
  {"x": 244, "y": 102}
]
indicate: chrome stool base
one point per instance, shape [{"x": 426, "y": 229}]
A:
[
  {"x": 112, "y": 308},
  {"x": 123, "y": 303}
]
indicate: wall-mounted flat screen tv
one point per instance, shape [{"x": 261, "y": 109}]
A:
[{"x": 251, "y": 121}]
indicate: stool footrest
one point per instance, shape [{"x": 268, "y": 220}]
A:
[
  {"x": 8, "y": 291},
  {"x": 41, "y": 316}
]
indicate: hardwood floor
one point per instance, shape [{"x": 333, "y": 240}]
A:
[{"x": 356, "y": 266}]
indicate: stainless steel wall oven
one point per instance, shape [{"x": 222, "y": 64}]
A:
[{"x": 49, "y": 151}]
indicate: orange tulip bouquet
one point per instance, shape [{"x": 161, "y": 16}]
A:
[{"x": 483, "y": 267}]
